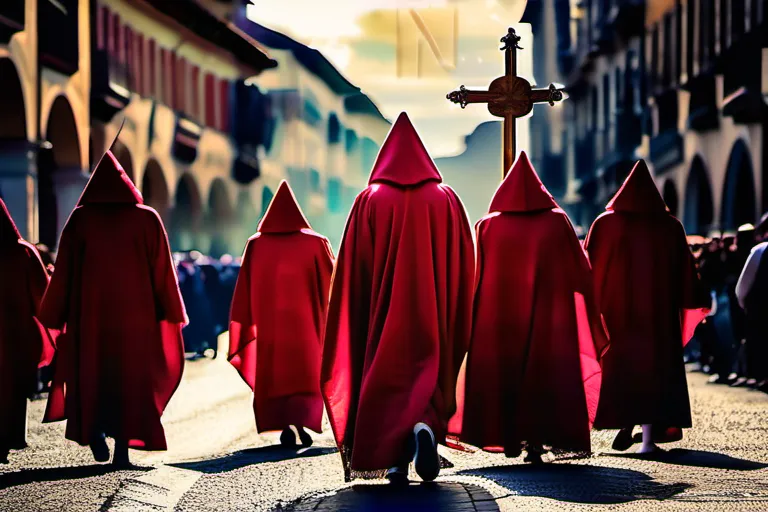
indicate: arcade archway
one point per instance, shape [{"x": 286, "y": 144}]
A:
[
  {"x": 187, "y": 214},
  {"x": 698, "y": 211},
  {"x": 14, "y": 150},
  {"x": 669, "y": 193},
  {"x": 739, "y": 203},
  {"x": 13, "y": 124},
  {"x": 60, "y": 179},
  {"x": 155, "y": 189},
  {"x": 220, "y": 218}
]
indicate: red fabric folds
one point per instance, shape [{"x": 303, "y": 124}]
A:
[
  {"x": 115, "y": 294},
  {"x": 532, "y": 372},
  {"x": 24, "y": 344},
  {"x": 651, "y": 298},
  {"x": 400, "y": 310},
  {"x": 278, "y": 317}
]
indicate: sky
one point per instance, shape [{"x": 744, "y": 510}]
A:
[{"x": 408, "y": 54}]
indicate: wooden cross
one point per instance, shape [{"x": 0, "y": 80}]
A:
[{"x": 508, "y": 96}]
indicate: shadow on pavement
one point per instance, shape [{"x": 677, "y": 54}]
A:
[
  {"x": 578, "y": 483},
  {"x": 697, "y": 458},
  {"x": 251, "y": 456},
  {"x": 442, "y": 496},
  {"x": 28, "y": 476}
]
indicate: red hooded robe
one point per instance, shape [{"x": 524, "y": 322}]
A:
[
  {"x": 24, "y": 344},
  {"x": 400, "y": 311},
  {"x": 532, "y": 370},
  {"x": 278, "y": 316},
  {"x": 652, "y": 300},
  {"x": 115, "y": 293}
]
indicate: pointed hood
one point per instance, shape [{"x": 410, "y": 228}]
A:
[
  {"x": 283, "y": 214},
  {"x": 403, "y": 160},
  {"x": 109, "y": 183},
  {"x": 9, "y": 234},
  {"x": 522, "y": 190},
  {"x": 638, "y": 194}
]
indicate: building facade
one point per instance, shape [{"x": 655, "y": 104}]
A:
[
  {"x": 203, "y": 139},
  {"x": 327, "y": 133},
  {"x": 682, "y": 84}
]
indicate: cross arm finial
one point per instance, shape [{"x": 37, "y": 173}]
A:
[{"x": 511, "y": 40}]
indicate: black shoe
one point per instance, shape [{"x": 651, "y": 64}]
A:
[
  {"x": 426, "y": 461},
  {"x": 288, "y": 438},
  {"x": 304, "y": 437},
  {"x": 121, "y": 459},
  {"x": 4, "y": 455},
  {"x": 99, "y": 448},
  {"x": 623, "y": 440}
]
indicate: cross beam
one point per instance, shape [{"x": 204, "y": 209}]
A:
[{"x": 508, "y": 96}]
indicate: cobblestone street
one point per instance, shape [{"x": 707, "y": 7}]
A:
[{"x": 216, "y": 461}]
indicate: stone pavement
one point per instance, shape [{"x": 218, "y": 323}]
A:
[{"x": 217, "y": 462}]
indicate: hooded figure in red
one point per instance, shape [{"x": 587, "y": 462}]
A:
[
  {"x": 24, "y": 344},
  {"x": 121, "y": 355},
  {"x": 533, "y": 372},
  {"x": 278, "y": 317},
  {"x": 399, "y": 318},
  {"x": 652, "y": 300}
]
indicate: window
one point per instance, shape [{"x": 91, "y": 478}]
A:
[
  {"x": 677, "y": 69},
  {"x": 194, "y": 81},
  {"x": 138, "y": 64},
  {"x": 180, "y": 85},
  {"x": 334, "y": 129},
  {"x": 724, "y": 37},
  {"x": 654, "y": 61},
  {"x": 120, "y": 43},
  {"x": 128, "y": 59},
  {"x": 224, "y": 111},
  {"x": 738, "y": 15},
  {"x": 210, "y": 101},
  {"x": 173, "y": 76},
  {"x": 691, "y": 48},
  {"x": 667, "y": 69},
  {"x": 166, "y": 76},
  {"x": 152, "y": 71},
  {"x": 113, "y": 28},
  {"x": 102, "y": 20}
]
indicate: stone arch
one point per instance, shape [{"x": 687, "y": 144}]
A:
[
  {"x": 220, "y": 218},
  {"x": 669, "y": 193},
  {"x": 123, "y": 155},
  {"x": 698, "y": 210},
  {"x": 60, "y": 178},
  {"x": 739, "y": 203},
  {"x": 187, "y": 215},
  {"x": 155, "y": 189},
  {"x": 13, "y": 122}
]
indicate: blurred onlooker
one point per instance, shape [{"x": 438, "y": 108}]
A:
[{"x": 752, "y": 294}]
